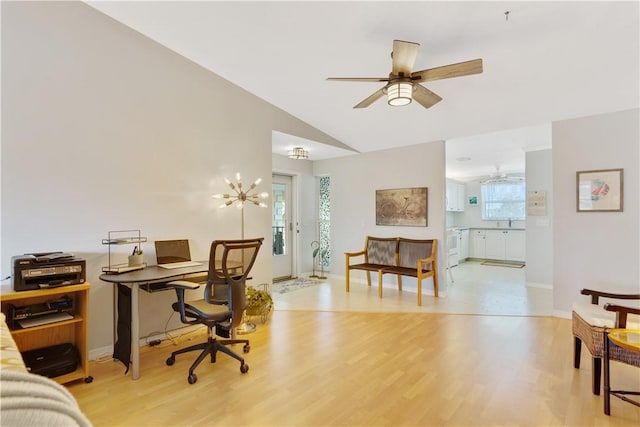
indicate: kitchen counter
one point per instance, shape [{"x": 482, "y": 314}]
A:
[
  {"x": 496, "y": 228},
  {"x": 486, "y": 228}
]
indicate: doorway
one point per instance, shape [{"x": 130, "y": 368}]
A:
[
  {"x": 282, "y": 227},
  {"x": 501, "y": 159}
]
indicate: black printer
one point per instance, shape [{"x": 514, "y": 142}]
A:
[{"x": 46, "y": 270}]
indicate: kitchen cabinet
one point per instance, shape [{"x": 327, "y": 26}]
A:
[
  {"x": 455, "y": 193},
  {"x": 463, "y": 244},
  {"x": 515, "y": 246},
  {"x": 478, "y": 244},
  {"x": 495, "y": 244},
  {"x": 507, "y": 245},
  {"x": 451, "y": 197}
]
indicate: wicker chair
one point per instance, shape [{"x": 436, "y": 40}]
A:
[{"x": 589, "y": 322}]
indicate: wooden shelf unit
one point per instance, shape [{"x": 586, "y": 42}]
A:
[{"x": 74, "y": 331}]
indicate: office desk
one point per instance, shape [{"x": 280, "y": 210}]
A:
[{"x": 150, "y": 275}]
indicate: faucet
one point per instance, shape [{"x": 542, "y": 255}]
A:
[{"x": 509, "y": 222}]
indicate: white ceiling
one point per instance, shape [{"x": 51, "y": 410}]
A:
[
  {"x": 548, "y": 61},
  {"x": 500, "y": 152}
]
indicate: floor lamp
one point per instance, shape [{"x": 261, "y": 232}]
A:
[{"x": 240, "y": 198}]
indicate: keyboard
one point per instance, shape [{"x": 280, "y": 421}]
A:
[{"x": 180, "y": 264}]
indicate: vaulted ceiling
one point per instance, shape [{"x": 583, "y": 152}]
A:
[{"x": 543, "y": 61}]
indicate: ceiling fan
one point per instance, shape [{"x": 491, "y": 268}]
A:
[
  {"x": 403, "y": 84},
  {"x": 498, "y": 176}
]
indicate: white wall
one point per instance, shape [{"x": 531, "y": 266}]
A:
[
  {"x": 354, "y": 181},
  {"x": 539, "y": 244},
  {"x": 596, "y": 250},
  {"x": 104, "y": 129}
]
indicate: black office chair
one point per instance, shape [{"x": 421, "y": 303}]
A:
[
  {"x": 217, "y": 288},
  {"x": 220, "y": 318}
]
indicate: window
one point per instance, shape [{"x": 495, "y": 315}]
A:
[
  {"x": 503, "y": 201},
  {"x": 278, "y": 221},
  {"x": 324, "y": 226}
]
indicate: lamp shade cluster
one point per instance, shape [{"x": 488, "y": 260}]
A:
[
  {"x": 298, "y": 153},
  {"x": 241, "y": 196}
]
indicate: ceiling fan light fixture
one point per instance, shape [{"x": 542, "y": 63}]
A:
[
  {"x": 298, "y": 153},
  {"x": 399, "y": 94}
]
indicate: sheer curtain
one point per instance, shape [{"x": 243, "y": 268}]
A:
[{"x": 503, "y": 201}]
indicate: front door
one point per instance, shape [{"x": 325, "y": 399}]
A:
[{"x": 282, "y": 227}]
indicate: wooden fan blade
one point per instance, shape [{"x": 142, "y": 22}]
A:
[
  {"x": 447, "y": 71},
  {"x": 359, "y": 79},
  {"x": 403, "y": 57},
  {"x": 424, "y": 96},
  {"x": 371, "y": 99}
]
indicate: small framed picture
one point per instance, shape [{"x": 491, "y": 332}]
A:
[
  {"x": 536, "y": 202},
  {"x": 473, "y": 200},
  {"x": 599, "y": 190}
]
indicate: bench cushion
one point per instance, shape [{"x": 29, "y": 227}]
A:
[
  {"x": 381, "y": 251},
  {"x": 596, "y": 315},
  {"x": 410, "y": 251}
]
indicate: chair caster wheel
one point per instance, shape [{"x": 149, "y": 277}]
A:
[
  {"x": 88, "y": 379},
  {"x": 244, "y": 368},
  {"x": 246, "y": 348},
  {"x": 171, "y": 361},
  {"x": 192, "y": 378}
]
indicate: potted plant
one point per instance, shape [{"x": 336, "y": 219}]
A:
[{"x": 259, "y": 302}]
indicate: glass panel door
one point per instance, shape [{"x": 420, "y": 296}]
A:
[{"x": 281, "y": 227}]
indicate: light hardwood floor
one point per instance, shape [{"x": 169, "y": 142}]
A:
[
  {"x": 386, "y": 365},
  {"x": 476, "y": 289}
]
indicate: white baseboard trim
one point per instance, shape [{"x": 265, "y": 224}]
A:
[
  {"x": 562, "y": 314},
  {"x": 327, "y": 274},
  {"x": 101, "y": 353},
  {"x": 539, "y": 285},
  {"x": 107, "y": 351}
]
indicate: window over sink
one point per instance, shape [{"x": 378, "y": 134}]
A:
[{"x": 503, "y": 201}]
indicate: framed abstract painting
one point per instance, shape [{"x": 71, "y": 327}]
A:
[{"x": 599, "y": 190}]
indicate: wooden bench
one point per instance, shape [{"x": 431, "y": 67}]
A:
[{"x": 399, "y": 256}]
